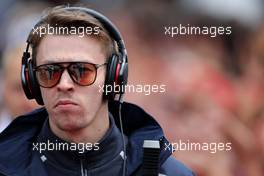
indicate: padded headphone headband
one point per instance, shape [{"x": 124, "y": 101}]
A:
[{"x": 29, "y": 81}]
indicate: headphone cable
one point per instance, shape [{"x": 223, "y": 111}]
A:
[{"x": 122, "y": 132}]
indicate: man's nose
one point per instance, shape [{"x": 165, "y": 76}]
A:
[{"x": 65, "y": 83}]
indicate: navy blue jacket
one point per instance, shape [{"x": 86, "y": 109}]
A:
[{"x": 19, "y": 155}]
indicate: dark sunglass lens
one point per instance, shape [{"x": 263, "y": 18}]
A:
[
  {"x": 48, "y": 75},
  {"x": 83, "y": 73}
]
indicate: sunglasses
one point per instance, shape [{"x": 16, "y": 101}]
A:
[{"x": 81, "y": 73}]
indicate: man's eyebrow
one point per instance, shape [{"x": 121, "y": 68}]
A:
[
  {"x": 51, "y": 61},
  {"x": 54, "y": 61},
  {"x": 60, "y": 60}
]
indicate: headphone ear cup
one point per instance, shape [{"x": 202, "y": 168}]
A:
[
  {"x": 25, "y": 79},
  {"x": 34, "y": 84},
  {"x": 110, "y": 77},
  {"x": 123, "y": 76}
]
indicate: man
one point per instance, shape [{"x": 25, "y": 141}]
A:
[{"x": 69, "y": 69}]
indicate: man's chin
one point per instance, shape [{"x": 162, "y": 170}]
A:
[
  {"x": 71, "y": 127},
  {"x": 70, "y": 121}
]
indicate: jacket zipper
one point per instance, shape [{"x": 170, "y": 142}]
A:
[{"x": 83, "y": 170}]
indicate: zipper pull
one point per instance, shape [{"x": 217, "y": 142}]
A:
[{"x": 83, "y": 170}]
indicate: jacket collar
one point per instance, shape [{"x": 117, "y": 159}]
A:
[
  {"x": 139, "y": 126},
  {"x": 72, "y": 154}
]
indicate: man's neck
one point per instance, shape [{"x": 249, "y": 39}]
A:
[{"x": 91, "y": 133}]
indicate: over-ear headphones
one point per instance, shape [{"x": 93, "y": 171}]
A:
[{"x": 117, "y": 67}]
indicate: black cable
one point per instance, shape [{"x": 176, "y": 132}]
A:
[{"x": 122, "y": 132}]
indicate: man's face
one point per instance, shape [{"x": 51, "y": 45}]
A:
[{"x": 78, "y": 105}]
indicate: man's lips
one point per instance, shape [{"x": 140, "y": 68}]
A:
[{"x": 64, "y": 103}]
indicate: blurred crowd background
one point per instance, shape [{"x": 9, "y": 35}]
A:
[{"x": 214, "y": 86}]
